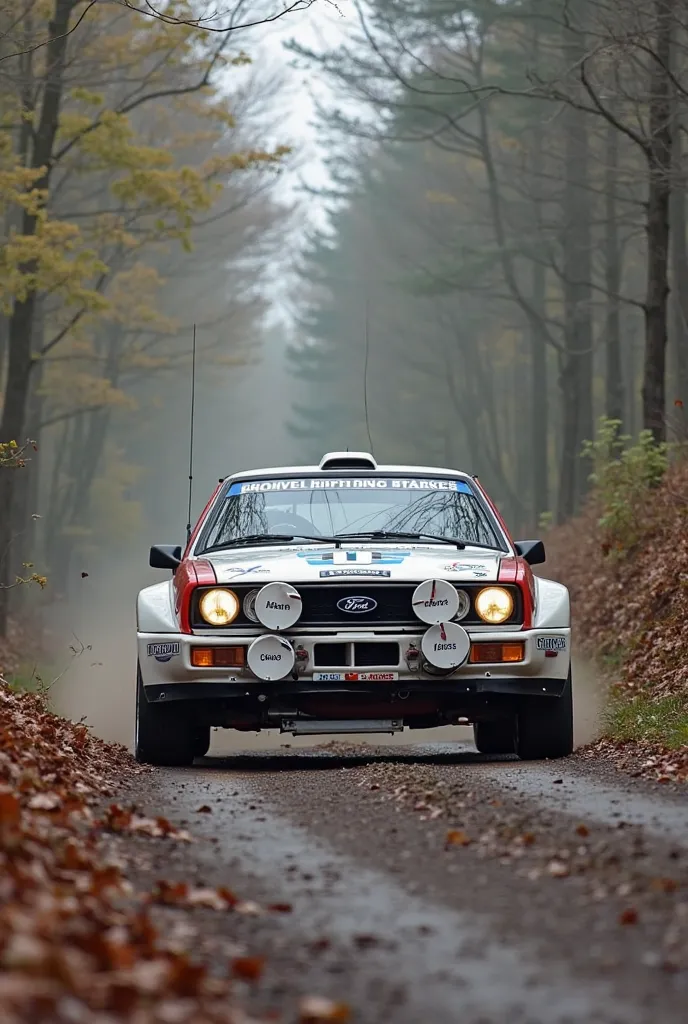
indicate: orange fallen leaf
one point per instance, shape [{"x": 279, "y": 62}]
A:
[
  {"x": 455, "y": 837},
  {"x": 248, "y": 968},
  {"x": 583, "y": 830},
  {"x": 628, "y": 916},
  {"x": 10, "y": 809},
  {"x": 281, "y": 908},
  {"x": 664, "y": 885},
  {"x": 170, "y": 893}
]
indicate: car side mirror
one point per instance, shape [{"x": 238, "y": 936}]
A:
[
  {"x": 532, "y": 550},
  {"x": 165, "y": 556}
]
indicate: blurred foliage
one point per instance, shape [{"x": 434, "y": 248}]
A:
[
  {"x": 624, "y": 476},
  {"x": 151, "y": 209}
]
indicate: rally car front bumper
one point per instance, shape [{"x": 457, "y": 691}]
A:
[{"x": 167, "y": 672}]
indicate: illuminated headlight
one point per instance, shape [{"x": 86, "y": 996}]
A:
[
  {"x": 219, "y": 607},
  {"x": 494, "y": 605},
  {"x": 464, "y": 605}
]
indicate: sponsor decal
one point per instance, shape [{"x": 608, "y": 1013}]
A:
[
  {"x": 357, "y": 605},
  {"x": 163, "y": 652},
  {"x": 349, "y": 483},
  {"x": 327, "y": 573},
  {"x": 551, "y": 643},
  {"x": 440, "y": 602},
  {"x": 355, "y": 677},
  {"x": 242, "y": 571},
  {"x": 477, "y": 570},
  {"x": 359, "y": 557}
]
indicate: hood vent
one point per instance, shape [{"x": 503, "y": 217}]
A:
[{"x": 348, "y": 460}]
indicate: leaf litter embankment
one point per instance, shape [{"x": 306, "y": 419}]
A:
[
  {"x": 78, "y": 944},
  {"x": 630, "y": 614}
]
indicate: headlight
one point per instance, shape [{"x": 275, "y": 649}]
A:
[
  {"x": 219, "y": 607},
  {"x": 494, "y": 605}
]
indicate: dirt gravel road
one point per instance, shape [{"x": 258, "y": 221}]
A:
[{"x": 428, "y": 884}]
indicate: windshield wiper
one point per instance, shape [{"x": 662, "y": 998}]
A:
[
  {"x": 404, "y": 535},
  {"x": 274, "y": 538}
]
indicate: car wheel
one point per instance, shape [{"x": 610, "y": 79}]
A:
[
  {"x": 545, "y": 726},
  {"x": 165, "y": 734},
  {"x": 495, "y": 737},
  {"x": 201, "y": 741}
]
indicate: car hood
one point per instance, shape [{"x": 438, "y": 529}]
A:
[{"x": 312, "y": 563}]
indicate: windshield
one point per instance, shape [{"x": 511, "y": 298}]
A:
[{"x": 309, "y": 507}]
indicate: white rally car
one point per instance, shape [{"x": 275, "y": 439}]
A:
[{"x": 350, "y": 598}]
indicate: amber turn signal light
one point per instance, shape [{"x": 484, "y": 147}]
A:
[
  {"x": 492, "y": 654},
  {"x": 218, "y": 657}
]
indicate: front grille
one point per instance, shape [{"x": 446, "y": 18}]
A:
[
  {"x": 376, "y": 654},
  {"x": 359, "y": 654},
  {"x": 393, "y": 608},
  {"x": 327, "y": 655}
]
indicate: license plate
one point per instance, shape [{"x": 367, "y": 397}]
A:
[{"x": 355, "y": 677}]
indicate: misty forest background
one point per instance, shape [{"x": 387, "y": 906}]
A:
[{"x": 502, "y": 261}]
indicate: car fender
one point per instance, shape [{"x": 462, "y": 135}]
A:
[
  {"x": 155, "y": 609},
  {"x": 552, "y": 606}
]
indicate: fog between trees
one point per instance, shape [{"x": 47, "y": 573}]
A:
[
  {"x": 505, "y": 248},
  {"x": 509, "y": 202}
]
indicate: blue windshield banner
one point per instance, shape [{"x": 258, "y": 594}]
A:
[{"x": 350, "y": 483}]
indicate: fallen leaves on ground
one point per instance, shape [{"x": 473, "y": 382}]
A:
[
  {"x": 117, "y": 819},
  {"x": 76, "y": 942},
  {"x": 597, "y": 864},
  {"x": 640, "y": 759},
  {"x": 630, "y": 612},
  {"x": 179, "y": 894}
]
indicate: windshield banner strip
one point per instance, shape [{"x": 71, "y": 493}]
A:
[{"x": 350, "y": 483}]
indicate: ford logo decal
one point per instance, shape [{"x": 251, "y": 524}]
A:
[{"x": 356, "y": 605}]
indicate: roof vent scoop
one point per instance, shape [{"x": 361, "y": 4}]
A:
[{"x": 348, "y": 460}]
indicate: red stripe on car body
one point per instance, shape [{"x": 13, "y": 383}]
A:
[
  {"x": 517, "y": 570},
  {"x": 192, "y": 573}
]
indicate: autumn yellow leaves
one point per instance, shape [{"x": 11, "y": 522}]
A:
[{"x": 132, "y": 175}]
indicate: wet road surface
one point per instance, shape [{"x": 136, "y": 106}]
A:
[{"x": 430, "y": 884}]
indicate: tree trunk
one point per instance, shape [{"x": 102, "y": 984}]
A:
[
  {"x": 539, "y": 395},
  {"x": 679, "y": 277},
  {"x": 614, "y": 389},
  {"x": 658, "y": 155},
  {"x": 576, "y": 374},
  {"x": 539, "y": 411},
  {"x": 21, "y": 321}
]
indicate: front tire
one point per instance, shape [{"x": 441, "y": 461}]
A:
[
  {"x": 166, "y": 734},
  {"x": 495, "y": 737},
  {"x": 545, "y": 726}
]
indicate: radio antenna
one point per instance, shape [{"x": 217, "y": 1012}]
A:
[
  {"x": 365, "y": 374},
  {"x": 191, "y": 432}
]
